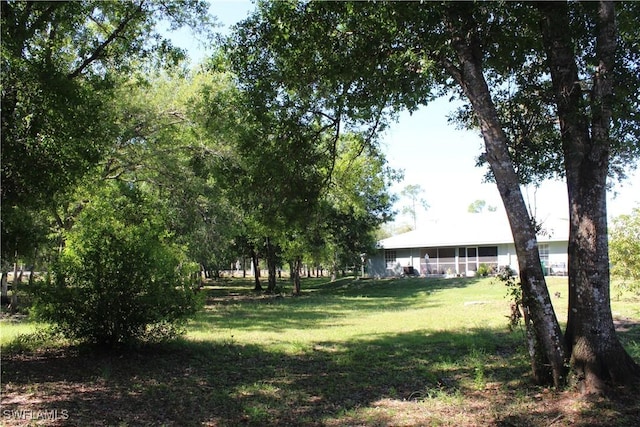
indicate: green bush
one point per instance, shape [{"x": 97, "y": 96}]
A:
[
  {"x": 119, "y": 278},
  {"x": 484, "y": 270},
  {"x": 624, "y": 251}
]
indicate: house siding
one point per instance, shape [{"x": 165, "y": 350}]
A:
[
  {"x": 445, "y": 260},
  {"x": 459, "y": 245}
]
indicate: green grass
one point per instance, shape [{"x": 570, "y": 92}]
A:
[
  {"x": 368, "y": 352},
  {"x": 10, "y": 329}
]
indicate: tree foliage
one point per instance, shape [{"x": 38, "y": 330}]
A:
[
  {"x": 356, "y": 203},
  {"x": 624, "y": 249},
  {"x": 478, "y": 206},
  {"x": 60, "y": 64},
  {"x": 546, "y": 84},
  {"x": 120, "y": 277},
  {"x": 412, "y": 192},
  {"x": 167, "y": 143},
  {"x": 290, "y": 158}
]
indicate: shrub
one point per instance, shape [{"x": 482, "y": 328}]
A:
[
  {"x": 484, "y": 270},
  {"x": 119, "y": 275},
  {"x": 624, "y": 251},
  {"x": 507, "y": 276}
]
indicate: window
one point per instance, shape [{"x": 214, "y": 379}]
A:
[
  {"x": 390, "y": 258},
  {"x": 488, "y": 252},
  {"x": 488, "y": 255},
  {"x": 446, "y": 260},
  {"x": 432, "y": 252},
  {"x": 447, "y": 254},
  {"x": 467, "y": 259}
]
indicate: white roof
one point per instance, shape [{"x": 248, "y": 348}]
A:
[{"x": 470, "y": 230}]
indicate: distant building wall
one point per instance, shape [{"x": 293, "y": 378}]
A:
[
  {"x": 461, "y": 261},
  {"x": 459, "y": 245}
]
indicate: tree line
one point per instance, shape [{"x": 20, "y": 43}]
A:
[
  {"x": 123, "y": 170},
  {"x": 551, "y": 87}
]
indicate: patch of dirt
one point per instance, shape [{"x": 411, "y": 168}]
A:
[
  {"x": 494, "y": 407},
  {"x": 624, "y": 324},
  {"x": 65, "y": 387}
]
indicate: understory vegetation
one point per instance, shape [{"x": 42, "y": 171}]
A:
[{"x": 402, "y": 352}]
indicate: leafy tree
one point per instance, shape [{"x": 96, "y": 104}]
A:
[
  {"x": 357, "y": 201},
  {"x": 402, "y": 54},
  {"x": 624, "y": 249},
  {"x": 174, "y": 150},
  {"x": 585, "y": 50},
  {"x": 412, "y": 192},
  {"x": 354, "y": 203},
  {"x": 596, "y": 48},
  {"x": 275, "y": 174},
  {"x": 60, "y": 63},
  {"x": 306, "y": 128},
  {"x": 119, "y": 278},
  {"x": 479, "y": 206}
]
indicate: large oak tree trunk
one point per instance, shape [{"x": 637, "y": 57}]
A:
[
  {"x": 596, "y": 353},
  {"x": 548, "y": 364}
]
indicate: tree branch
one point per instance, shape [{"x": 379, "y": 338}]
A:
[
  {"x": 602, "y": 91},
  {"x": 98, "y": 51}
]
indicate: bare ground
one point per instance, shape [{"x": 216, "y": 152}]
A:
[{"x": 68, "y": 387}]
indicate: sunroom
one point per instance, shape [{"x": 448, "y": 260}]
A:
[{"x": 463, "y": 247}]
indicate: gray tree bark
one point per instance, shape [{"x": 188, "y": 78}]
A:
[
  {"x": 549, "y": 356},
  {"x": 597, "y": 356}
]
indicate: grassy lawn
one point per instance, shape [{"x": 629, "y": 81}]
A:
[{"x": 406, "y": 352}]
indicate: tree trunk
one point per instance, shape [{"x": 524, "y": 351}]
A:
[
  {"x": 550, "y": 364},
  {"x": 244, "y": 267},
  {"x": 4, "y": 288},
  {"x": 256, "y": 270},
  {"x": 14, "y": 285},
  {"x": 31, "y": 273},
  {"x": 271, "y": 265},
  {"x": 597, "y": 356},
  {"x": 334, "y": 267},
  {"x": 297, "y": 264},
  {"x": 203, "y": 274}
]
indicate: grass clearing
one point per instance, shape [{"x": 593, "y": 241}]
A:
[{"x": 403, "y": 352}]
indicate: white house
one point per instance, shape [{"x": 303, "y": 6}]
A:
[{"x": 457, "y": 246}]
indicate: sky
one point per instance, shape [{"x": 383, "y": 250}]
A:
[{"x": 436, "y": 155}]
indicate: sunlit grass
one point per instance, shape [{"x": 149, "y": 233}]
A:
[
  {"x": 10, "y": 329},
  {"x": 410, "y": 305},
  {"x": 353, "y": 352}
]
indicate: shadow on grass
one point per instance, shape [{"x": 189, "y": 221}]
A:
[
  {"x": 629, "y": 335},
  {"x": 406, "y": 287},
  {"x": 194, "y": 383},
  {"x": 322, "y": 302},
  {"x": 461, "y": 377},
  {"x": 482, "y": 372}
]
